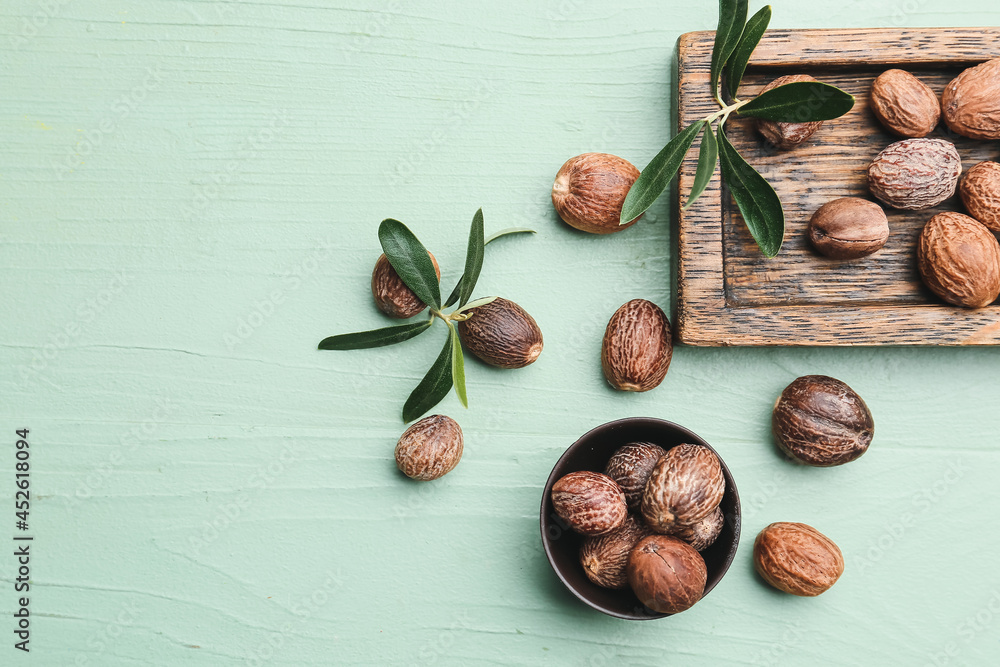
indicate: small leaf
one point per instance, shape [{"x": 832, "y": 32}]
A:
[
  {"x": 375, "y": 337},
  {"x": 458, "y": 366},
  {"x": 409, "y": 257},
  {"x": 475, "y": 303},
  {"x": 435, "y": 386},
  {"x": 503, "y": 232},
  {"x": 799, "y": 102},
  {"x": 657, "y": 175},
  {"x": 473, "y": 259},
  {"x": 754, "y": 196},
  {"x": 708, "y": 157},
  {"x": 732, "y": 17},
  {"x": 752, "y": 33}
]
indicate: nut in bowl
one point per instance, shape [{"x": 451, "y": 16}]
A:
[{"x": 591, "y": 454}]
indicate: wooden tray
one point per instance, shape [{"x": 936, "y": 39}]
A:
[{"x": 729, "y": 293}]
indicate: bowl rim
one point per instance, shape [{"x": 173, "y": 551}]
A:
[{"x": 736, "y": 521}]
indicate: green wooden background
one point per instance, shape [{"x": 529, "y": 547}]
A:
[{"x": 189, "y": 197}]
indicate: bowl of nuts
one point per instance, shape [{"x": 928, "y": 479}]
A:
[{"x": 640, "y": 518}]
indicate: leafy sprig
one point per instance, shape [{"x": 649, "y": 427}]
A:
[
  {"x": 412, "y": 263},
  {"x": 799, "y": 102}
]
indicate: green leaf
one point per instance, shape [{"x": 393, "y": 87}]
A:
[
  {"x": 493, "y": 237},
  {"x": 799, "y": 102},
  {"x": 752, "y": 33},
  {"x": 708, "y": 157},
  {"x": 411, "y": 260},
  {"x": 473, "y": 259},
  {"x": 375, "y": 337},
  {"x": 435, "y": 386},
  {"x": 732, "y": 17},
  {"x": 458, "y": 366},
  {"x": 754, "y": 196},
  {"x": 657, "y": 175},
  {"x": 475, "y": 303}
]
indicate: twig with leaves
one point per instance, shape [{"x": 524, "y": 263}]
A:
[
  {"x": 799, "y": 102},
  {"x": 412, "y": 263}
]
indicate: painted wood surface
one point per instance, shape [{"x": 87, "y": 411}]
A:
[
  {"x": 731, "y": 294},
  {"x": 189, "y": 199}
]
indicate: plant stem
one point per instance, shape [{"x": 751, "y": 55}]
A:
[{"x": 724, "y": 111}]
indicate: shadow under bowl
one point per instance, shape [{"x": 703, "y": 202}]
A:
[{"x": 591, "y": 452}]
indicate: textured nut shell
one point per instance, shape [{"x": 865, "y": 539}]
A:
[
  {"x": 685, "y": 486},
  {"x": 666, "y": 574},
  {"x": 605, "y": 558},
  {"x": 590, "y": 189},
  {"x": 970, "y": 104},
  {"x": 502, "y": 334},
  {"x": 787, "y": 135},
  {"x": 392, "y": 296},
  {"x": 848, "y": 228},
  {"x": 701, "y": 535},
  {"x": 820, "y": 421},
  {"x": 797, "y": 559},
  {"x": 904, "y": 104},
  {"x": 637, "y": 347},
  {"x": 630, "y": 466},
  {"x": 980, "y": 191},
  {"x": 591, "y": 503},
  {"x": 915, "y": 174},
  {"x": 959, "y": 260},
  {"x": 430, "y": 448}
]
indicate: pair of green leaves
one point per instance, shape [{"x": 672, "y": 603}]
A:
[
  {"x": 799, "y": 102},
  {"x": 413, "y": 264}
]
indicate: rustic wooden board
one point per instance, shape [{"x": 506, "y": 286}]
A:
[{"x": 729, "y": 293}]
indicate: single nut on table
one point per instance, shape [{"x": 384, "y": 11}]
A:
[
  {"x": 502, "y": 334},
  {"x": 797, "y": 559},
  {"x": 820, "y": 421},
  {"x": 701, "y": 535},
  {"x": 970, "y": 104},
  {"x": 591, "y": 503},
  {"x": 637, "y": 346},
  {"x": 605, "y": 558},
  {"x": 787, "y": 135},
  {"x": 630, "y": 466},
  {"x": 959, "y": 260},
  {"x": 590, "y": 189},
  {"x": 915, "y": 174},
  {"x": 392, "y": 296},
  {"x": 980, "y": 192},
  {"x": 685, "y": 486},
  {"x": 666, "y": 574},
  {"x": 849, "y": 228},
  {"x": 904, "y": 104},
  {"x": 429, "y": 449}
]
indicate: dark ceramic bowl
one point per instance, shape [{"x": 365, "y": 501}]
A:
[{"x": 591, "y": 452}]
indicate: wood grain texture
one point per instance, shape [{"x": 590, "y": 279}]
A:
[{"x": 730, "y": 294}]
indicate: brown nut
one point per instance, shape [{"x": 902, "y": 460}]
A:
[
  {"x": 392, "y": 296},
  {"x": 605, "y": 558},
  {"x": 959, "y": 260},
  {"x": 685, "y": 486},
  {"x": 590, "y": 189},
  {"x": 904, "y": 104},
  {"x": 848, "y": 228},
  {"x": 630, "y": 466},
  {"x": 980, "y": 191},
  {"x": 591, "y": 503},
  {"x": 971, "y": 102},
  {"x": 701, "y": 535},
  {"x": 820, "y": 421},
  {"x": 787, "y": 135},
  {"x": 915, "y": 174},
  {"x": 666, "y": 574},
  {"x": 432, "y": 447},
  {"x": 502, "y": 334},
  {"x": 797, "y": 559},
  {"x": 637, "y": 347}
]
